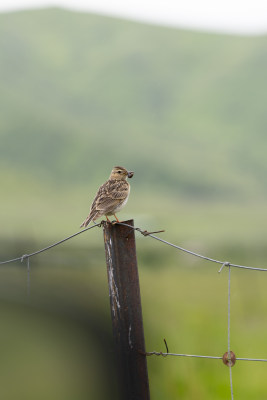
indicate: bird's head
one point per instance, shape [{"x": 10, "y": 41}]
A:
[{"x": 120, "y": 173}]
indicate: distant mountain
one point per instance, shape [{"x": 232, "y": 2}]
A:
[{"x": 81, "y": 93}]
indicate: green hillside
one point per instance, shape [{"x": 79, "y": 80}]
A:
[{"x": 80, "y": 93}]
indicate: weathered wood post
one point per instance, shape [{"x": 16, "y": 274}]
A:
[{"x": 126, "y": 312}]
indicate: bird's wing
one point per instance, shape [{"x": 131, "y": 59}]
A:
[{"x": 110, "y": 195}]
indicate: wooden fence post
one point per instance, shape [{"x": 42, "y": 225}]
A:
[{"x": 126, "y": 312}]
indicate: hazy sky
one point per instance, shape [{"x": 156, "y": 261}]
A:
[{"x": 240, "y": 16}]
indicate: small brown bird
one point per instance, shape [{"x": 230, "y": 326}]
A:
[{"x": 111, "y": 197}]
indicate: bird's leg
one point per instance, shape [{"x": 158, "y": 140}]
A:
[
  {"x": 116, "y": 218},
  {"x": 108, "y": 219}
]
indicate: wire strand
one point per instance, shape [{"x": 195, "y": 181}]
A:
[
  {"x": 28, "y": 278},
  {"x": 159, "y": 353},
  {"x": 229, "y": 346},
  {"x": 145, "y": 233},
  {"x": 49, "y": 247}
]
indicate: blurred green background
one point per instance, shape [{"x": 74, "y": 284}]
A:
[{"x": 186, "y": 111}]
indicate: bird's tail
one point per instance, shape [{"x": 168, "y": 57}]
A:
[
  {"x": 86, "y": 221},
  {"x": 91, "y": 217}
]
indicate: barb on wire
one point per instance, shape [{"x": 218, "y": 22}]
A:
[
  {"x": 223, "y": 263},
  {"x": 146, "y": 233},
  {"x": 156, "y": 353},
  {"x": 166, "y": 345},
  {"x": 49, "y": 247}
]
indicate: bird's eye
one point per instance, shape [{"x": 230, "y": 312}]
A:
[{"x": 119, "y": 172}]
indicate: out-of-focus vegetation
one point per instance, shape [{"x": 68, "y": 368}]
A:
[
  {"x": 81, "y": 92},
  {"x": 186, "y": 111}
]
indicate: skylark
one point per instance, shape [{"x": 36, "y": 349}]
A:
[{"x": 111, "y": 197}]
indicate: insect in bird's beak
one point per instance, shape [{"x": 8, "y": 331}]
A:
[{"x": 130, "y": 174}]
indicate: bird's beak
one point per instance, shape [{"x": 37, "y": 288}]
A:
[{"x": 130, "y": 174}]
